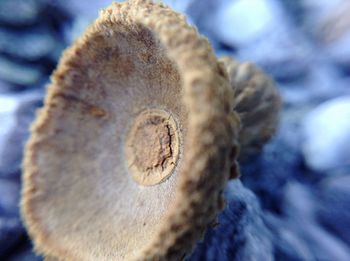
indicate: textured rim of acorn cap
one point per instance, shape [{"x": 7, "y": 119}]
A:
[
  {"x": 207, "y": 130},
  {"x": 258, "y": 103}
]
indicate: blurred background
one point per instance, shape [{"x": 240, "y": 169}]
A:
[{"x": 293, "y": 200}]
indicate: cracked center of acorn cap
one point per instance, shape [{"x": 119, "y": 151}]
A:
[{"x": 152, "y": 147}]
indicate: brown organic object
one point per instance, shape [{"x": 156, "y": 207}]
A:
[
  {"x": 131, "y": 152},
  {"x": 257, "y": 102}
]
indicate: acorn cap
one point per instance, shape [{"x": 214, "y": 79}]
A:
[
  {"x": 258, "y": 103},
  {"x": 128, "y": 157}
]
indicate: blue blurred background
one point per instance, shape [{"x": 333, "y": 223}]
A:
[{"x": 293, "y": 200}]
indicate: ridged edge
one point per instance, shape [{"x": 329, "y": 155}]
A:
[{"x": 211, "y": 131}]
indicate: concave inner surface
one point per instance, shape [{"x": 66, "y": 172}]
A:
[{"x": 88, "y": 202}]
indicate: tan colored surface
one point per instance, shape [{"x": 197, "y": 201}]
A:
[
  {"x": 152, "y": 147},
  {"x": 257, "y": 102},
  {"x": 79, "y": 200}
]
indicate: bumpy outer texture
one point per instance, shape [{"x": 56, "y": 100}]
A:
[
  {"x": 257, "y": 102},
  {"x": 68, "y": 199}
]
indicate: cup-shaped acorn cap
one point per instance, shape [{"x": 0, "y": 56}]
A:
[
  {"x": 258, "y": 103},
  {"x": 130, "y": 153}
]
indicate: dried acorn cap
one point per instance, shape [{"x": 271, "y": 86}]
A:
[
  {"x": 128, "y": 157},
  {"x": 257, "y": 102}
]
